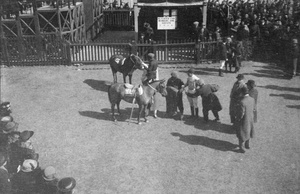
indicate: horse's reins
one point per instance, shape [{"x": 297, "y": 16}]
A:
[{"x": 152, "y": 87}]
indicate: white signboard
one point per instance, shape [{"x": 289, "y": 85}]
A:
[{"x": 166, "y": 23}]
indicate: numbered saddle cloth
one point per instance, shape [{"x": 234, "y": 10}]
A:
[{"x": 131, "y": 90}]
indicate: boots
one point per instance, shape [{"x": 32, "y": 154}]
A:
[
  {"x": 221, "y": 73},
  {"x": 192, "y": 112},
  {"x": 197, "y": 112}
]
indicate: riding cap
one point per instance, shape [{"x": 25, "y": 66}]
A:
[
  {"x": 151, "y": 56},
  {"x": 26, "y": 135},
  {"x": 174, "y": 74},
  {"x": 66, "y": 184},
  {"x": 191, "y": 70}
]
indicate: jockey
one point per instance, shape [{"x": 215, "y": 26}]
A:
[{"x": 151, "y": 71}]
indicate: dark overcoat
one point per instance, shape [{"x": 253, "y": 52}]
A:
[
  {"x": 254, "y": 94},
  {"x": 210, "y": 101},
  {"x": 5, "y": 185},
  {"x": 244, "y": 120},
  {"x": 151, "y": 71}
]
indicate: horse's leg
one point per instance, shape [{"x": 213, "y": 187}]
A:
[
  {"x": 124, "y": 78},
  {"x": 130, "y": 77},
  {"x": 140, "y": 112},
  {"x": 118, "y": 107},
  {"x": 113, "y": 112},
  {"x": 115, "y": 77},
  {"x": 146, "y": 113}
]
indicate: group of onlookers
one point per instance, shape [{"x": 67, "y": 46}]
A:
[
  {"x": 243, "y": 103},
  {"x": 267, "y": 30},
  {"x": 20, "y": 172}
]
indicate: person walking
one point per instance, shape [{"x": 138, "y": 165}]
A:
[
  {"x": 210, "y": 101},
  {"x": 174, "y": 97},
  {"x": 222, "y": 56},
  {"x": 235, "y": 96},
  {"x": 238, "y": 56},
  {"x": 191, "y": 92},
  {"x": 244, "y": 120},
  {"x": 254, "y": 94}
]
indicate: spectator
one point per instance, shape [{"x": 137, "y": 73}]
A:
[
  {"x": 174, "y": 97},
  {"x": 47, "y": 181},
  {"x": 235, "y": 96},
  {"x": 66, "y": 185},
  {"x": 295, "y": 55},
  {"x": 28, "y": 151},
  {"x": 222, "y": 56},
  {"x": 25, "y": 181},
  {"x": 148, "y": 33},
  {"x": 244, "y": 120},
  {"x": 5, "y": 184}
]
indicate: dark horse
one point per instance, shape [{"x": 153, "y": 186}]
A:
[
  {"x": 116, "y": 93},
  {"x": 125, "y": 65}
]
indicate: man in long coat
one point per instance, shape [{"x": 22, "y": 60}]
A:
[
  {"x": 235, "y": 96},
  {"x": 254, "y": 94},
  {"x": 244, "y": 120}
]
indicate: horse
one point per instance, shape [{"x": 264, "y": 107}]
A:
[
  {"x": 116, "y": 93},
  {"x": 125, "y": 65}
]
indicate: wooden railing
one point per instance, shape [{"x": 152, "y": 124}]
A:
[
  {"x": 165, "y": 53},
  {"x": 120, "y": 19}
]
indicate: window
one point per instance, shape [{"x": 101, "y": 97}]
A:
[{"x": 171, "y": 13}]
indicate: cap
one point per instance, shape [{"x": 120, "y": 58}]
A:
[
  {"x": 251, "y": 82},
  {"x": 49, "y": 173},
  {"x": 10, "y": 126},
  {"x": 29, "y": 165},
  {"x": 240, "y": 76},
  {"x": 66, "y": 184}
]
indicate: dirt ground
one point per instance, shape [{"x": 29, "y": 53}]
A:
[{"x": 69, "y": 111}]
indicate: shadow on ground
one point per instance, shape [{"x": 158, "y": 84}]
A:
[
  {"x": 211, "y": 125},
  {"x": 280, "y": 88},
  {"x": 207, "y": 142},
  {"x": 287, "y": 96},
  {"x": 293, "y": 106},
  {"x": 98, "y": 84},
  {"x": 269, "y": 74},
  {"x": 204, "y": 71}
]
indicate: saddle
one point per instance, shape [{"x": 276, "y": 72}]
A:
[
  {"x": 131, "y": 90},
  {"x": 120, "y": 61}
]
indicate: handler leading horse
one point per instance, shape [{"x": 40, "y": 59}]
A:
[
  {"x": 125, "y": 65},
  {"x": 116, "y": 93}
]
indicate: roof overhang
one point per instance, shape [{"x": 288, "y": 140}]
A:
[{"x": 170, "y": 3}]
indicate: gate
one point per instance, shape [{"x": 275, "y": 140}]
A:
[{"x": 26, "y": 51}]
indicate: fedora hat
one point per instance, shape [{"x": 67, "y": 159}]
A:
[
  {"x": 29, "y": 165},
  {"x": 150, "y": 55},
  {"x": 10, "y": 126},
  {"x": 66, "y": 184},
  {"x": 49, "y": 173},
  {"x": 5, "y": 120},
  {"x": 25, "y": 135},
  {"x": 240, "y": 76},
  {"x": 251, "y": 82}
]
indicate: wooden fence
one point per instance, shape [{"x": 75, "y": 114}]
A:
[{"x": 92, "y": 53}]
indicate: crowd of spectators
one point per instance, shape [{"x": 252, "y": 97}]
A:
[
  {"x": 267, "y": 29},
  {"x": 20, "y": 171}
]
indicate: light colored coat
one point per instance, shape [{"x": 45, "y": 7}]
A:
[{"x": 245, "y": 122}]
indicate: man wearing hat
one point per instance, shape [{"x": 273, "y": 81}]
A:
[
  {"x": 7, "y": 127},
  {"x": 244, "y": 120},
  {"x": 210, "y": 101},
  {"x": 222, "y": 56},
  {"x": 5, "y": 184},
  {"x": 254, "y": 94},
  {"x": 28, "y": 151},
  {"x": 47, "y": 181},
  {"x": 66, "y": 185},
  {"x": 235, "y": 96},
  {"x": 5, "y": 109},
  {"x": 295, "y": 55},
  {"x": 152, "y": 74},
  {"x": 191, "y": 92},
  {"x": 25, "y": 181},
  {"x": 174, "y": 97}
]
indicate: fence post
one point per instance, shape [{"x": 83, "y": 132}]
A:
[
  {"x": 197, "y": 49},
  {"x": 68, "y": 53}
]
